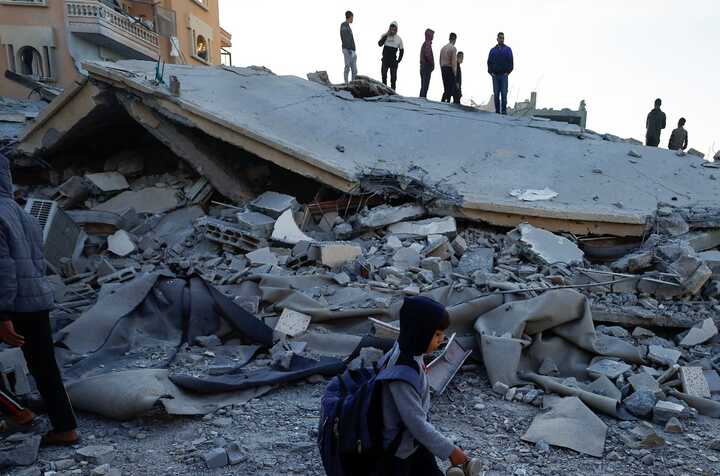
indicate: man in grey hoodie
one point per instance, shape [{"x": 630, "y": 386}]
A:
[
  {"x": 25, "y": 303},
  {"x": 348, "y": 46},
  {"x": 406, "y": 425}
]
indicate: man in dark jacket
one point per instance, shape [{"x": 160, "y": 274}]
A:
[
  {"x": 679, "y": 137},
  {"x": 500, "y": 65},
  {"x": 348, "y": 46},
  {"x": 427, "y": 62},
  {"x": 654, "y": 124},
  {"x": 392, "y": 55},
  {"x": 25, "y": 303}
]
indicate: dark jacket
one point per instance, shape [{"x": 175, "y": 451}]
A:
[
  {"x": 500, "y": 60},
  {"x": 426, "y": 52},
  {"x": 23, "y": 286},
  {"x": 678, "y": 139},
  {"x": 655, "y": 122},
  {"x": 346, "y": 36}
]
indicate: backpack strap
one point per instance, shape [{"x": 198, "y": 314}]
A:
[{"x": 402, "y": 373}]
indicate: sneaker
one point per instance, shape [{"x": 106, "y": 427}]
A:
[{"x": 60, "y": 438}]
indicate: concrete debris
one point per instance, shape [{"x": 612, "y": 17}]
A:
[
  {"x": 216, "y": 458},
  {"x": 545, "y": 247},
  {"x": 151, "y": 200},
  {"x": 665, "y": 410},
  {"x": 292, "y": 323},
  {"x": 287, "y": 231},
  {"x": 673, "y": 425},
  {"x": 256, "y": 224},
  {"x": 700, "y": 334},
  {"x": 263, "y": 256},
  {"x": 694, "y": 382},
  {"x": 120, "y": 243},
  {"x": 108, "y": 181},
  {"x": 663, "y": 356},
  {"x": 273, "y": 204},
  {"x": 98, "y": 454},
  {"x": 641, "y": 403},
  {"x": 431, "y": 226},
  {"x": 336, "y": 254},
  {"x": 612, "y": 369},
  {"x": 385, "y": 215}
]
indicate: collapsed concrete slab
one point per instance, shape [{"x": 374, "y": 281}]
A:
[{"x": 470, "y": 159}]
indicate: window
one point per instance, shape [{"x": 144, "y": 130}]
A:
[
  {"x": 201, "y": 48},
  {"x": 30, "y": 63}
]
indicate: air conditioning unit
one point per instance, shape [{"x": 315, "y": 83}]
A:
[{"x": 60, "y": 233}]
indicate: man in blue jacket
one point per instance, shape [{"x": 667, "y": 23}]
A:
[
  {"x": 500, "y": 65},
  {"x": 25, "y": 302}
]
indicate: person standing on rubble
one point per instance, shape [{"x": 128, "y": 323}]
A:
[
  {"x": 392, "y": 55},
  {"x": 448, "y": 67},
  {"x": 406, "y": 427},
  {"x": 457, "y": 95},
  {"x": 679, "y": 137},
  {"x": 427, "y": 62},
  {"x": 500, "y": 64},
  {"x": 348, "y": 46},
  {"x": 654, "y": 124},
  {"x": 25, "y": 302}
]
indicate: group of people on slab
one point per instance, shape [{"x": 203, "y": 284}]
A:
[
  {"x": 500, "y": 62},
  {"x": 656, "y": 122}
]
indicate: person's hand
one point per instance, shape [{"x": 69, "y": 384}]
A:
[
  {"x": 9, "y": 336},
  {"x": 458, "y": 457}
]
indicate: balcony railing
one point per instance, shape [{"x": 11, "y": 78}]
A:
[
  {"x": 37, "y": 3},
  {"x": 92, "y": 10}
]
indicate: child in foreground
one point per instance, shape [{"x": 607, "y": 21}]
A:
[{"x": 410, "y": 440}]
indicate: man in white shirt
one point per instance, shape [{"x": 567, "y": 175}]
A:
[{"x": 393, "y": 51}]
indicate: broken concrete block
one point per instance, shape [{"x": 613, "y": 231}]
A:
[
  {"x": 151, "y": 200},
  {"x": 227, "y": 234},
  {"x": 385, "y": 215},
  {"x": 700, "y": 334},
  {"x": 694, "y": 382},
  {"x": 644, "y": 436},
  {"x": 120, "y": 243},
  {"x": 108, "y": 181},
  {"x": 713, "y": 379},
  {"x": 333, "y": 254},
  {"x": 439, "y": 267},
  {"x": 662, "y": 355},
  {"x": 273, "y": 204},
  {"x": 664, "y": 411},
  {"x": 287, "y": 231},
  {"x": 544, "y": 247},
  {"x": 674, "y": 426},
  {"x": 216, "y": 458},
  {"x": 439, "y": 247},
  {"x": 236, "y": 454},
  {"x": 263, "y": 256},
  {"x": 712, "y": 260},
  {"x": 642, "y": 332},
  {"x": 603, "y": 386},
  {"x": 476, "y": 259},
  {"x": 98, "y": 454},
  {"x": 405, "y": 258},
  {"x": 612, "y": 369},
  {"x": 640, "y": 403},
  {"x": 459, "y": 245},
  {"x": 393, "y": 242},
  {"x": 430, "y": 226},
  {"x": 292, "y": 323},
  {"x": 634, "y": 153},
  {"x": 256, "y": 224},
  {"x": 645, "y": 381},
  {"x": 24, "y": 453},
  {"x": 634, "y": 263},
  {"x": 500, "y": 388}
]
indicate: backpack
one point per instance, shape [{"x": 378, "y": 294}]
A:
[{"x": 350, "y": 431}]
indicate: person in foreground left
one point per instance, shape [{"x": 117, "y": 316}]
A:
[{"x": 25, "y": 303}]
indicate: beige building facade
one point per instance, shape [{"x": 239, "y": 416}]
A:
[{"x": 47, "y": 40}]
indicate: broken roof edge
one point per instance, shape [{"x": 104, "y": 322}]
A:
[{"x": 207, "y": 121}]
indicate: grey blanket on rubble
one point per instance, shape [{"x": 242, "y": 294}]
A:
[{"x": 117, "y": 355}]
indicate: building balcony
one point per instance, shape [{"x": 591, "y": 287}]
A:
[
  {"x": 100, "y": 24},
  {"x": 225, "y": 38}
]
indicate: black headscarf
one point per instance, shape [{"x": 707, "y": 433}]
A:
[{"x": 420, "y": 317}]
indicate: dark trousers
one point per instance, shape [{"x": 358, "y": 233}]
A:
[
  {"x": 392, "y": 65},
  {"x": 425, "y": 73},
  {"x": 500, "y": 90},
  {"x": 420, "y": 463},
  {"x": 652, "y": 139},
  {"x": 39, "y": 354},
  {"x": 448, "y": 83},
  {"x": 457, "y": 94}
]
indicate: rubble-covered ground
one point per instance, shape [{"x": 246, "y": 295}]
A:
[
  {"x": 276, "y": 434},
  {"x": 638, "y": 319}
]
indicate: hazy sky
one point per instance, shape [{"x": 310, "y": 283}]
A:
[{"x": 618, "y": 55}]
